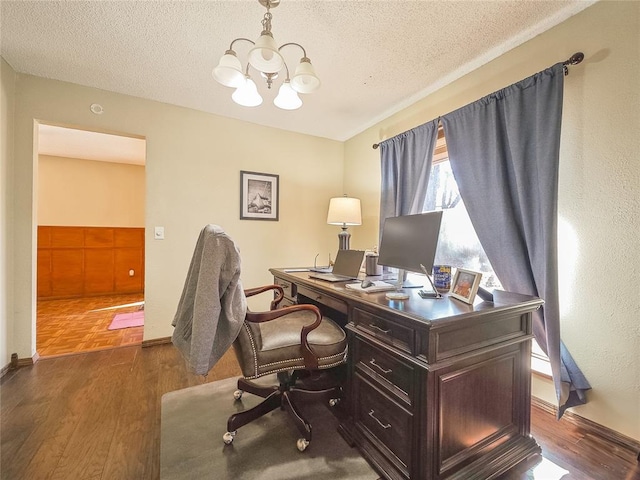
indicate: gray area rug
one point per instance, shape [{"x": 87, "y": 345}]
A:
[{"x": 194, "y": 419}]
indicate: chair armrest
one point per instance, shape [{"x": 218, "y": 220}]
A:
[
  {"x": 275, "y": 302},
  {"x": 310, "y": 358}
]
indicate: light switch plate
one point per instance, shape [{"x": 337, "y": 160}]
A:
[{"x": 158, "y": 233}]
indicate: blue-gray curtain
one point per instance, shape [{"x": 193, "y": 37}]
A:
[
  {"x": 406, "y": 165},
  {"x": 504, "y": 153}
]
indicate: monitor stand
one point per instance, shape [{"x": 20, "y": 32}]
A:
[{"x": 402, "y": 281}]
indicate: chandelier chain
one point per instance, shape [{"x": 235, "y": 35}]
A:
[{"x": 266, "y": 23}]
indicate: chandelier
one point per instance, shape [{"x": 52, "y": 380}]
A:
[{"x": 266, "y": 58}]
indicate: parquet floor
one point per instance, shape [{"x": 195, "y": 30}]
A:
[{"x": 80, "y": 324}]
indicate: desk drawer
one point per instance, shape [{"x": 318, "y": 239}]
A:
[
  {"x": 288, "y": 287},
  {"x": 385, "y": 423},
  {"x": 386, "y": 330},
  {"x": 323, "y": 299},
  {"x": 393, "y": 374}
]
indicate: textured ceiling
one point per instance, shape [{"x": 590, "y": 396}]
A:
[{"x": 373, "y": 57}]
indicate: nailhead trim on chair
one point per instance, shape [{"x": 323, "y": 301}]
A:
[
  {"x": 342, "y": 356},
  {"x": 295, "y": 367},
  {"x": 253, "y": 347}
]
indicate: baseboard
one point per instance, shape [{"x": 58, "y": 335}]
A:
[
  {"x": 156, "y": 341},
  {"x": 28, "y": 361},
  {"x": 589, "y": 426},
  {"x": 19, "y": 363}
]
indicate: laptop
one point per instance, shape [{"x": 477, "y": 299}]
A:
[{"x": 347, "y": 267}]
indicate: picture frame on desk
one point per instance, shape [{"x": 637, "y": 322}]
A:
[
  {"x": 259, "y": 196},
  {"x": 465, "y": 285}
]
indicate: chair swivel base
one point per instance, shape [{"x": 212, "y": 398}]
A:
[{"x": 284, "y": 396}]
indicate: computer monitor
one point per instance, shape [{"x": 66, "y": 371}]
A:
[{"x": 410, "y": 241}]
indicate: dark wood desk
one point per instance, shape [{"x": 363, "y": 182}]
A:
[{"x": 435, "y": 388}]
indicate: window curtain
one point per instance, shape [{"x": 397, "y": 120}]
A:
[
  {"x": 406, "y": 165},
  {"x": 504, "y": 153}
]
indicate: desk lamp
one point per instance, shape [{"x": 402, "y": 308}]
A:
[{"x": 344, "y": 211}]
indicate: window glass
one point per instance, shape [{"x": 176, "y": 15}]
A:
[{"x": 458, "y": 244}]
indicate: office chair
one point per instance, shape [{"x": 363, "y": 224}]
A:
[{"x": 296, "y": 342}]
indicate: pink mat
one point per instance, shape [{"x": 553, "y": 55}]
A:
[{"x": 126, "y": 320}]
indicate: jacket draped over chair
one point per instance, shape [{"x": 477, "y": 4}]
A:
[{"x": 213, "y": 306}]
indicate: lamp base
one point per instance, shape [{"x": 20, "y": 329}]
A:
[
  {"x": 343, "y": 239},
  {"x": 269, "y": 3}
]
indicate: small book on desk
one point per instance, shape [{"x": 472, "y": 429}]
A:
[{"x": 378, "y": 286}]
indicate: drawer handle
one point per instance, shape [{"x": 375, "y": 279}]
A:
[
  {"x": 379, "y": 422},
  {"x": 373, "y": 325},
  {"x": 373, "y": 363}
]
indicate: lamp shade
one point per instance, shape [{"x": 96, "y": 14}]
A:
[
  {"x": 264, "y": 55},
  {"x": 287, "y": 98},
  {"x": 344, "y": 211},
  {"x": 304, "y": 79},
  {"x": 247, "y": 94},
  {"x": 228, "y": 72}
]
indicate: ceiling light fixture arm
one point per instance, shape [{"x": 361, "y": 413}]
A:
[
  {"x": 304, "y": 52},
  {"x": 237, "y": 40}
]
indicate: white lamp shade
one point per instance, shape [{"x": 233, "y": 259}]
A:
[
  {"x": 247, "y": 94},
  {"x": 229, "y": 71},
  {"x": 287, "y": 98},
  {"x": 305, "y": 80},
  {"x": 264, "y": 55},
  {"x": 344, "y": 210}
]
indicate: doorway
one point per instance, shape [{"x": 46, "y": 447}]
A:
[{"x": 90, "y": 222}]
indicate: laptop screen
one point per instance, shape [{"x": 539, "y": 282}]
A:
[{"x": 348, "y": 262}]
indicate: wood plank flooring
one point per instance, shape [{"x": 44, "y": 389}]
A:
[
  {"x": 97, "y": 416},
  {"x": 80, "y": 324}
]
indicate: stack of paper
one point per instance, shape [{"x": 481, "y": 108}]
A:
[{"x": 378, "y": 286}]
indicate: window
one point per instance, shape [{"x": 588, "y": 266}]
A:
[{"x": 458, "y": 245}]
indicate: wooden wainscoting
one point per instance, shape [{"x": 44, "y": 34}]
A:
[{"x": 88, "y": 261}]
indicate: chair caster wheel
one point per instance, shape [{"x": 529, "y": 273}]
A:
[
  {"x": 238, "y": 394},
  {"x": 334, "y": 401},
  {"x": 302, "y": 444},
  {"x": 228, "y": 437}
]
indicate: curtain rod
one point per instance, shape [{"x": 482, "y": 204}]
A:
[{"x": 575, "y": 59}]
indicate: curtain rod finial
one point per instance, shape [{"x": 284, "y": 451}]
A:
[
  {"x": 375, "y": 146},
  {"x": 575, "y": 59}
]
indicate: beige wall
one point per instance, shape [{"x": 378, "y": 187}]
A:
[
  {"x": 599, "y": 193},
  {"x": 192, "y": 178},
  {"x": 7, "y": 93},
  {"x": 90, "y": 193},
  {"x": 192, "y": 175}
]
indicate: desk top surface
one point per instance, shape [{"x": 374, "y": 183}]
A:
[{"x": 429, "y": 310}]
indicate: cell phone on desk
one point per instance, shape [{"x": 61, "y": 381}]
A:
[{"x": 426, "y": 294}]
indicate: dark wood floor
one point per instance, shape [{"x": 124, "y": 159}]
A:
[{"x": 97, "y": 416}]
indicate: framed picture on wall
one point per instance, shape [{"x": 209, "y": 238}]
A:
[
  {"x": 259, "y": 196},
  {"x": 465, "y": 285}
]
